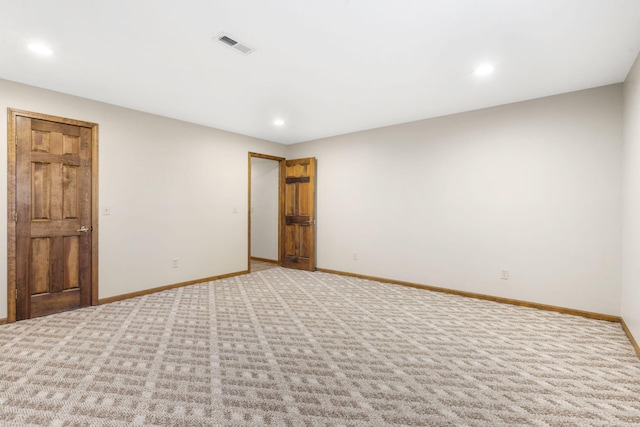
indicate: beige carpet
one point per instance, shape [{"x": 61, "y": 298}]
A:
[
  {"x": 257, "y": 265},
  {"x": 287, "y": 348}
]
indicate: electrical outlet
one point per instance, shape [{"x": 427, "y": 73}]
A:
[
  {"x": 106, "y": 210},
  {"x": 355, "y": 256},
  {"x": 175, "y": 263},
  {"x": 504, "y": 274}
]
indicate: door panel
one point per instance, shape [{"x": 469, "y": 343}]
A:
[
  {"x": 299, "y": 230},
  {"x": 49, "y": 303},
  {"x": 70, "y": 177},
  {"x": 72, "y": 262},
  {"x": 53, "y": 200},
  {"x": 40, "y": 261}
]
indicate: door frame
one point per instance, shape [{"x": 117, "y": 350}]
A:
[
  {"x": 281, "y": 172},
  {"x": 12, "y": 115}
]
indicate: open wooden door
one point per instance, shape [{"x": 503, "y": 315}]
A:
[{"x": 298, "y": 242}]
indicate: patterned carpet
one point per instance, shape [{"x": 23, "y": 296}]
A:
[
  {"x": 288, "y": 348},
  {"x": 258, "y": 265}
]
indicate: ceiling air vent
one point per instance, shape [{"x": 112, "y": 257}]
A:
[
  {"x": 231, "y": 42},
  {"x": 228, "y": 40}
]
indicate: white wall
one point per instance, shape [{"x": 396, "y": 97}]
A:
[
  {"x": 264, "y": 208},
  {"x": 532, "y": 187},
  {"x": 172, "y": 188},
  {"x": 631, "y": 240}
]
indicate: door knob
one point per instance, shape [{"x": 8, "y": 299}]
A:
[{"x": 83, "y": 229}]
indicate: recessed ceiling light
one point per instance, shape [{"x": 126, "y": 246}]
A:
[
  {"x": 278, "y": 122},
  {"x": 40, "y": 48},
  {"x": 483, "y": 70}
]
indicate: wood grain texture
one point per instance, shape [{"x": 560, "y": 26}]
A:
[
  {"x": 298, "y": 228},
  {"x": 272, "y": 261},
  {"x": 633, "y": 341},
  {"x": 71, "y": 145},
  {"x": 40, "y": 265},
  {"x": 59, "y": 153},
  {"x": 53, "y": 158},
  {"x": 41, "y": 190},
  {"x": 53, "y": 124},
  {"x": 44, "y": 304},
  {"x": 11, "y": 216},
  {"x": 40, "y": 142},
  {"x": 94, "y": 213},
  {"x": 57, "y": 264},
  {"x": 70, "y": 187},
  {"x": 22, "y": 200},
  {"x": 266, "y": 156},
  {"x": 72, "y": 262},
  {"x": 546, "y": 307}
]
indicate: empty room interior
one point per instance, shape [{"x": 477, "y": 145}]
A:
[{"x": 470, "y": 249}]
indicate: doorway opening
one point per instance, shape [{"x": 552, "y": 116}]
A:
[
  {"x": 293, "y": 245},
  {"x": 264, "y": 211}
]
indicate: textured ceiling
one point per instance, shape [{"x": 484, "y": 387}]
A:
[{"x": 326, "y": 67}]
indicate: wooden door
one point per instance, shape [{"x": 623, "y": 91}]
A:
[
  {"x": 53, "y": 217},
  {"x": 299, "y": 225}
]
